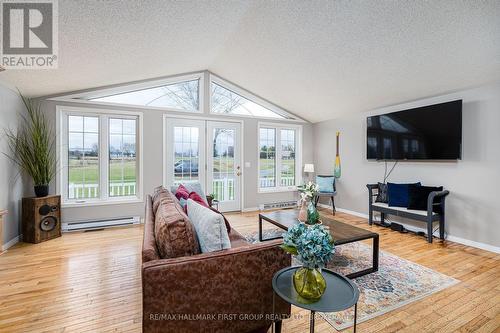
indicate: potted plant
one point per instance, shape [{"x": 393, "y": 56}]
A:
[
  {"x": 32, "y": 146},
  {"x": 313, "y": 245},
  {"x": 210, "y": 199},
  {"x": 308, "y": 212}
]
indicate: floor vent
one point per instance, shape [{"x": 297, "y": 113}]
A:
[
  {"x": 100, "y": 224},
  {"x": 275, "y": 205}
]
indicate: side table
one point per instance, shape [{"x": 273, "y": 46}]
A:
[{"x": 340, "y": 293}]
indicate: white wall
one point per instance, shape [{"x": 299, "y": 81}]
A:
[
  {"x": 473, "y": 206},
  {"x": 11, "y": 182},
  {"x": 153, "y": 163}
]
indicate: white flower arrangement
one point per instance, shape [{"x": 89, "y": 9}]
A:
[{"x": 309, "y": 190}]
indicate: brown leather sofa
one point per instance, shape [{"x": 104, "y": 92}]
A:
[{"x": 224, "y": 291}]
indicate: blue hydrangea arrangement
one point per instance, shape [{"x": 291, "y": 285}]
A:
[{"x": 313, "y": 245}]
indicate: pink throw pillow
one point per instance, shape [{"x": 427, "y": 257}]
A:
[{"x": 182, "y": 192}]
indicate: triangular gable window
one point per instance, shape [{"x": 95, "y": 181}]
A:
[
  {"x": 227, "y": 101},
  {"x": 179, "y": 96}
]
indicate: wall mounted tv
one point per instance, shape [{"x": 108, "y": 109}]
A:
[{"x": 431, "y": 132}]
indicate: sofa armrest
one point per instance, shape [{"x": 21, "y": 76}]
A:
[
  {"x": 432, "y": 197},
  {"x": 229, "y": 290}
]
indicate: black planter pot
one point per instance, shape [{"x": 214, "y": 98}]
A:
[{"x": 42, "y": 190}]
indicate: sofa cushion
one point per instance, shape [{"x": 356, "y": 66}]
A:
[
  {"x": 159, "y": 194},
  {"x": 174, "y": 233},
  {"x": 210, "y": 228},
  {"x": 398, "y": 194},
  {"x": 418, "y": 195},
  {"x": 237, "y": 239}
]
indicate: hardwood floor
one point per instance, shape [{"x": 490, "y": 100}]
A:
[{"x": 91, "y": 282}]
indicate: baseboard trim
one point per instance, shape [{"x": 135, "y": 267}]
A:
[
  {"x": 451, "y": 238},
  {"x": 11, "y": 243},
  {"x": 249, "y": 209}
]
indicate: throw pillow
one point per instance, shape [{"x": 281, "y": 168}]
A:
[
  {"x": 197, "y": 198},
  {"x": 210, "y": 229},
  {"x": 382, "y": 193},
  {"x": 159, "y": 194},
  {"x": 418, "y": 195},
  {"x": 398, "y": 194},
  {"x": 325, "y": 184},
  {"x": 228, "y": 226},
  {"x": 174, "y": 234},
  {"x": 192, "y": 187},
  {"x": 182, "y": 192}
]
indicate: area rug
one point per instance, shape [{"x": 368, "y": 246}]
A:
[{"x": 397, "y": 282}]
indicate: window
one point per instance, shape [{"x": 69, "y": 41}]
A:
[
  {"x": 186, "y": 154},
  {"x": 99, "y": 158},
  {"x": 279, "y": 158},
  {"x": 287, "y": 167},
  {"x": 229, "y": 99},
  {"x": 178, "y": 96},
  {"x": 267, "y": 157},
  {"x": 122, "y": 157},
  {"x": 83, "y": 157}
]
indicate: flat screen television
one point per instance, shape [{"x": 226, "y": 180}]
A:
[{"x": 431, "y": 132}]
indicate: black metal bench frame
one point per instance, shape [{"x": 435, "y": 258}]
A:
[{"x": 429, "y": 218}]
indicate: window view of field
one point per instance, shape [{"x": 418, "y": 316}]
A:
[{"x": 84, "y": 155}]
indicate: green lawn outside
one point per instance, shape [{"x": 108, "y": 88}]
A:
[{"x": 91, "y": 170}]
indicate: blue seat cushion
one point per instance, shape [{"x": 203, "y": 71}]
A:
[
  {"x": 398, "y": 194},
  {"x": 325, "y": 184}
]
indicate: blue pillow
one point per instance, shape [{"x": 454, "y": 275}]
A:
[
  {"x": 398, "y": 194},
  {"x": 325, "y": 183}
]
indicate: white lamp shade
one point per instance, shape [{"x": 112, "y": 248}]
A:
[{"x": 308, "y": 167}]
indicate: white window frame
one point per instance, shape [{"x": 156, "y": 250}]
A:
[
  {"x": 278, "y": 153},
  {"x": 251, "y": 97},
  {"x": 84, "y": 98},
  {"x": 62, "y": 113}
]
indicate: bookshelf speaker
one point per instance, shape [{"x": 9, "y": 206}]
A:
[{"x": 41, "y": 218}]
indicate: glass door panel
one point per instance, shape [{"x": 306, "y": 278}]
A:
[
  {"x": 185, "y": 152},
  {"x": 224, "y": 169}
]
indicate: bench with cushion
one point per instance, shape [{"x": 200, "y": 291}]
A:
[{"x": 435, "y": 210}]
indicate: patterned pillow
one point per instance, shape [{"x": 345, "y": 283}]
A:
[
  {"x": 382, "y": 193},
  {"x": 210, "y": 228},
  {"x": 159, "y": 194},
  {"x": 174, "y": 233}
]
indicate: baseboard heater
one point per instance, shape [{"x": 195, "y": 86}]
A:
[
  {"x": 99, "y": 224},
  {"x": 274, "y": 205}
]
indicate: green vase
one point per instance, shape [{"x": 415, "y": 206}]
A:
[
  {"x": 312, "y": 214},
  {"x": 309, "y": 283}
]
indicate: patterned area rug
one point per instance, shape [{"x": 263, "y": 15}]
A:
[{"x": 397, "y": 282}]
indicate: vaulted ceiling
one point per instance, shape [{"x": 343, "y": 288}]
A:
[{"x": 317, "y": 59}]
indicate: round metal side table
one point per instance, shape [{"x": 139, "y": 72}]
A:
[{"x": 340, "y": 293}]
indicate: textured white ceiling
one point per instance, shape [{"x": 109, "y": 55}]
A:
[{"x": 318, "y": 59}]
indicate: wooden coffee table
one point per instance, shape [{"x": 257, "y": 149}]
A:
[{"x": 342, "y": 233}]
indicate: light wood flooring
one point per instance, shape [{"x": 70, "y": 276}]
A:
[{"x": 90, "y": 281}]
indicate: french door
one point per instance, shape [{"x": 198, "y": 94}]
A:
[{"x": 208, "y": 152}]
